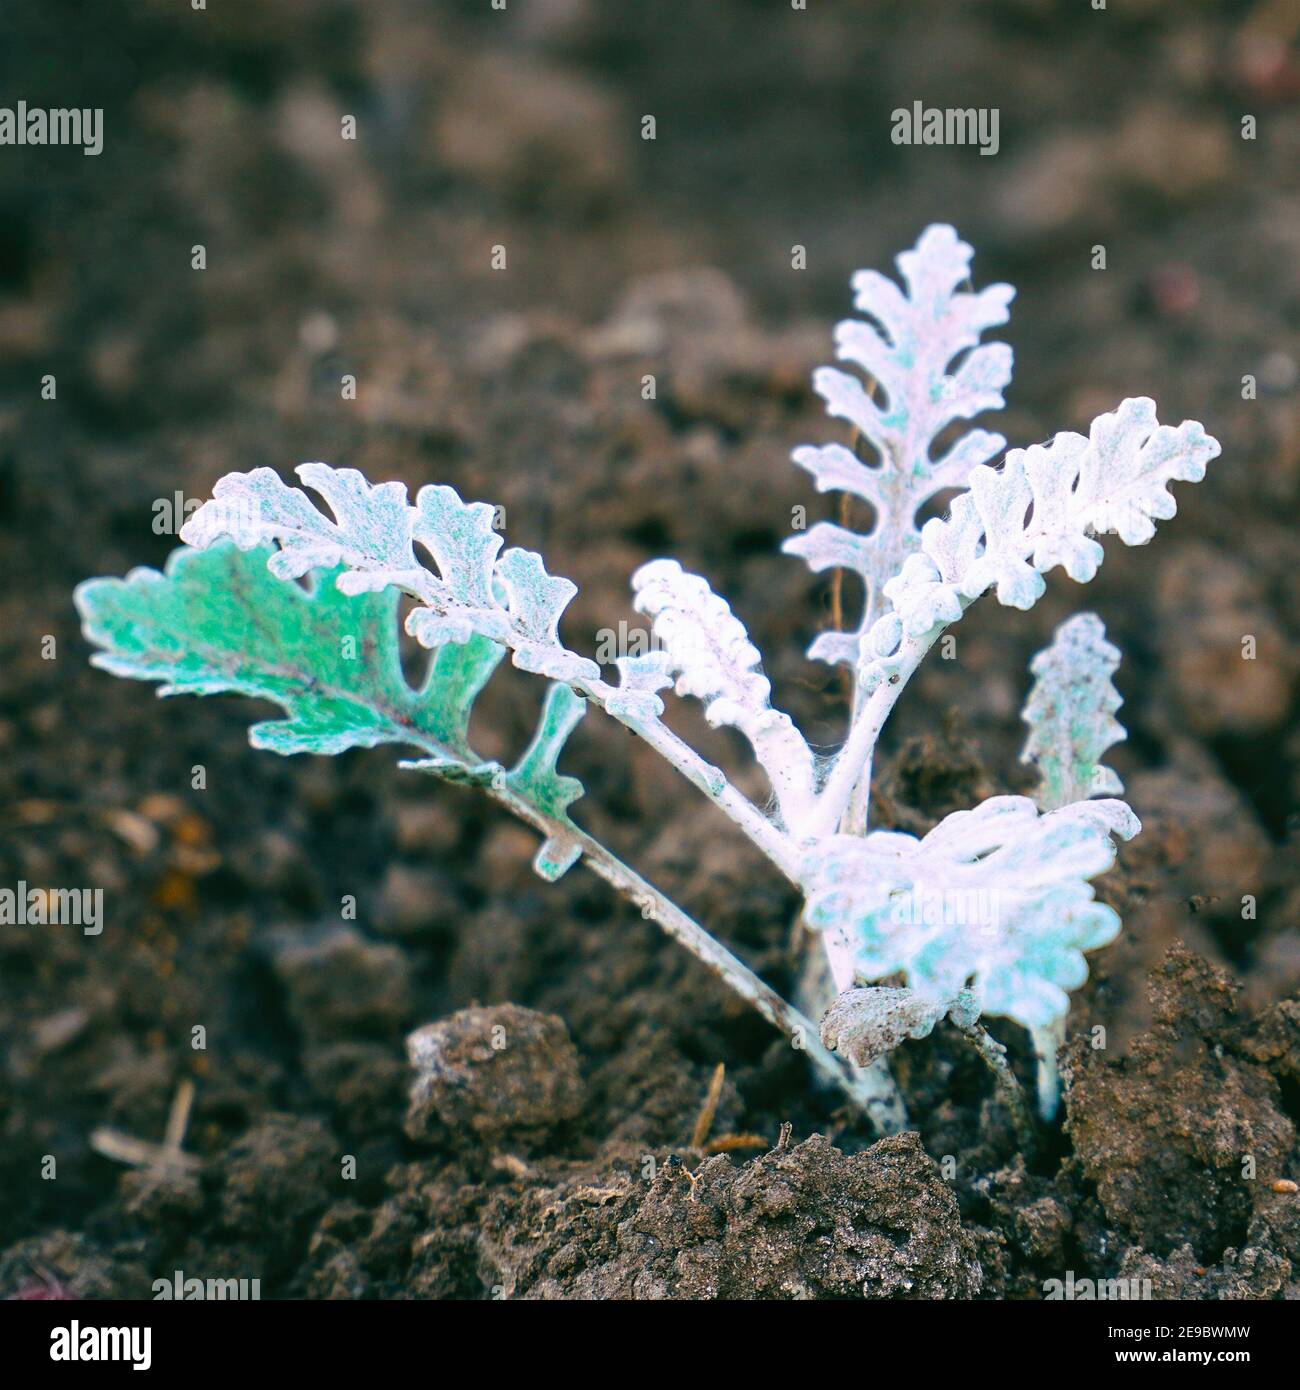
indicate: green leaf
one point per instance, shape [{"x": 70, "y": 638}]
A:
[
  {"x": 218, "y": 621},
  {"x": 535, "y": 779},
  {"x": 372, "y": 532}
]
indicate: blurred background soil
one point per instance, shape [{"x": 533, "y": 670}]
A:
[{"x": 521, "y": 128}]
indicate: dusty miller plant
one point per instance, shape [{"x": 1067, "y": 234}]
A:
[{"x": 989, "y": 914}]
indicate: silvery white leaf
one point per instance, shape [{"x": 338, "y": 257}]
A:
[
  {"x": 510, "y": 600},
  {"x": 1071, "y": 714},
  {"x": 996, "y": 900},
  {"x": 1043, "y": 507},
  {"x": 370, "y": 530},
  {"x": 713, "y": 659},
  {"x": 640, "y": 678},
  {"x": 905, "y": 347}
]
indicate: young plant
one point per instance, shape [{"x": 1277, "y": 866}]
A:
[{"x": 988, "y": 914}]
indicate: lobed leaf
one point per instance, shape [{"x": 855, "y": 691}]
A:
[
  {"x": 218, "y": 621},
  {"x": 1071, "y": 714},
  {"x": 537, "y": 782},
  {"x": 636, "y": 696},
  {"x": 370, "y": 529},
  {"x": 995, "y": 899},
  {"x": 906, "y": 348},
  {"x": 1043, "y": 508},
  {"x": 510, "y": 599},
  {"x": 707, "y": 648}
]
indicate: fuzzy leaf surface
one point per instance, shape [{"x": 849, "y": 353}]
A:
[
  {"x": 536, "y": 780},
  {"x": 707, "y": 648},
  {"x": 1043, "y": 508},
  {"x": 1071, "y": 714},
  {"x": 995, "y": 899},
  {"x": 218, "y": 621},
  {"x": 867, "y": 1023},
  {"x": 373, "y": 532},
  {"x": 906, "y": 345}
]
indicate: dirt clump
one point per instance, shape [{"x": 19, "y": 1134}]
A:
[
  {"x": 491, "y": 1074},
  {"x": 805, "y": 1221},
  {"x": 1182, "y": 1136}
]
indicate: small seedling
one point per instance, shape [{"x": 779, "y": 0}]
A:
[{"x": 990, "y": 914}]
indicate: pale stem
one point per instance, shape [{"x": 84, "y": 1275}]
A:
[
  {"x": 847, "y": 793},
  {"x": 876, "y": 1076},
  {"x": 1013, "y": 1097},
  {"x": 888, "y": 1108},
  {"x": 1047, "y": 1042},
  {"x": 705, "y": 948},
  {"x": 778, "y": 847},
  {"x": 854, "y": 819},
  {"x": 733, "y": 972},
  {"x": 855, "y": 756},
  {"x": 853, "y": 772}
]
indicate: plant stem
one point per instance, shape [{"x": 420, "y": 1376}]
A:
[
  {"x": 848, "y": 785},
  {"x": 733, "y": 972},
  {"x": 816, "y": 992},
  {"x": 1013, "y": 1097},
  {"x": 769, "y": 838},
  {"x": 855, "y": 756},
  {"x": 776, "y": 845},
  {"x": 705, "y": 948},
  {"x": 1047, "y": 1042}
]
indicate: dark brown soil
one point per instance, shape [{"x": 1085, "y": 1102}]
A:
[{"x": 521, "y": 128}]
